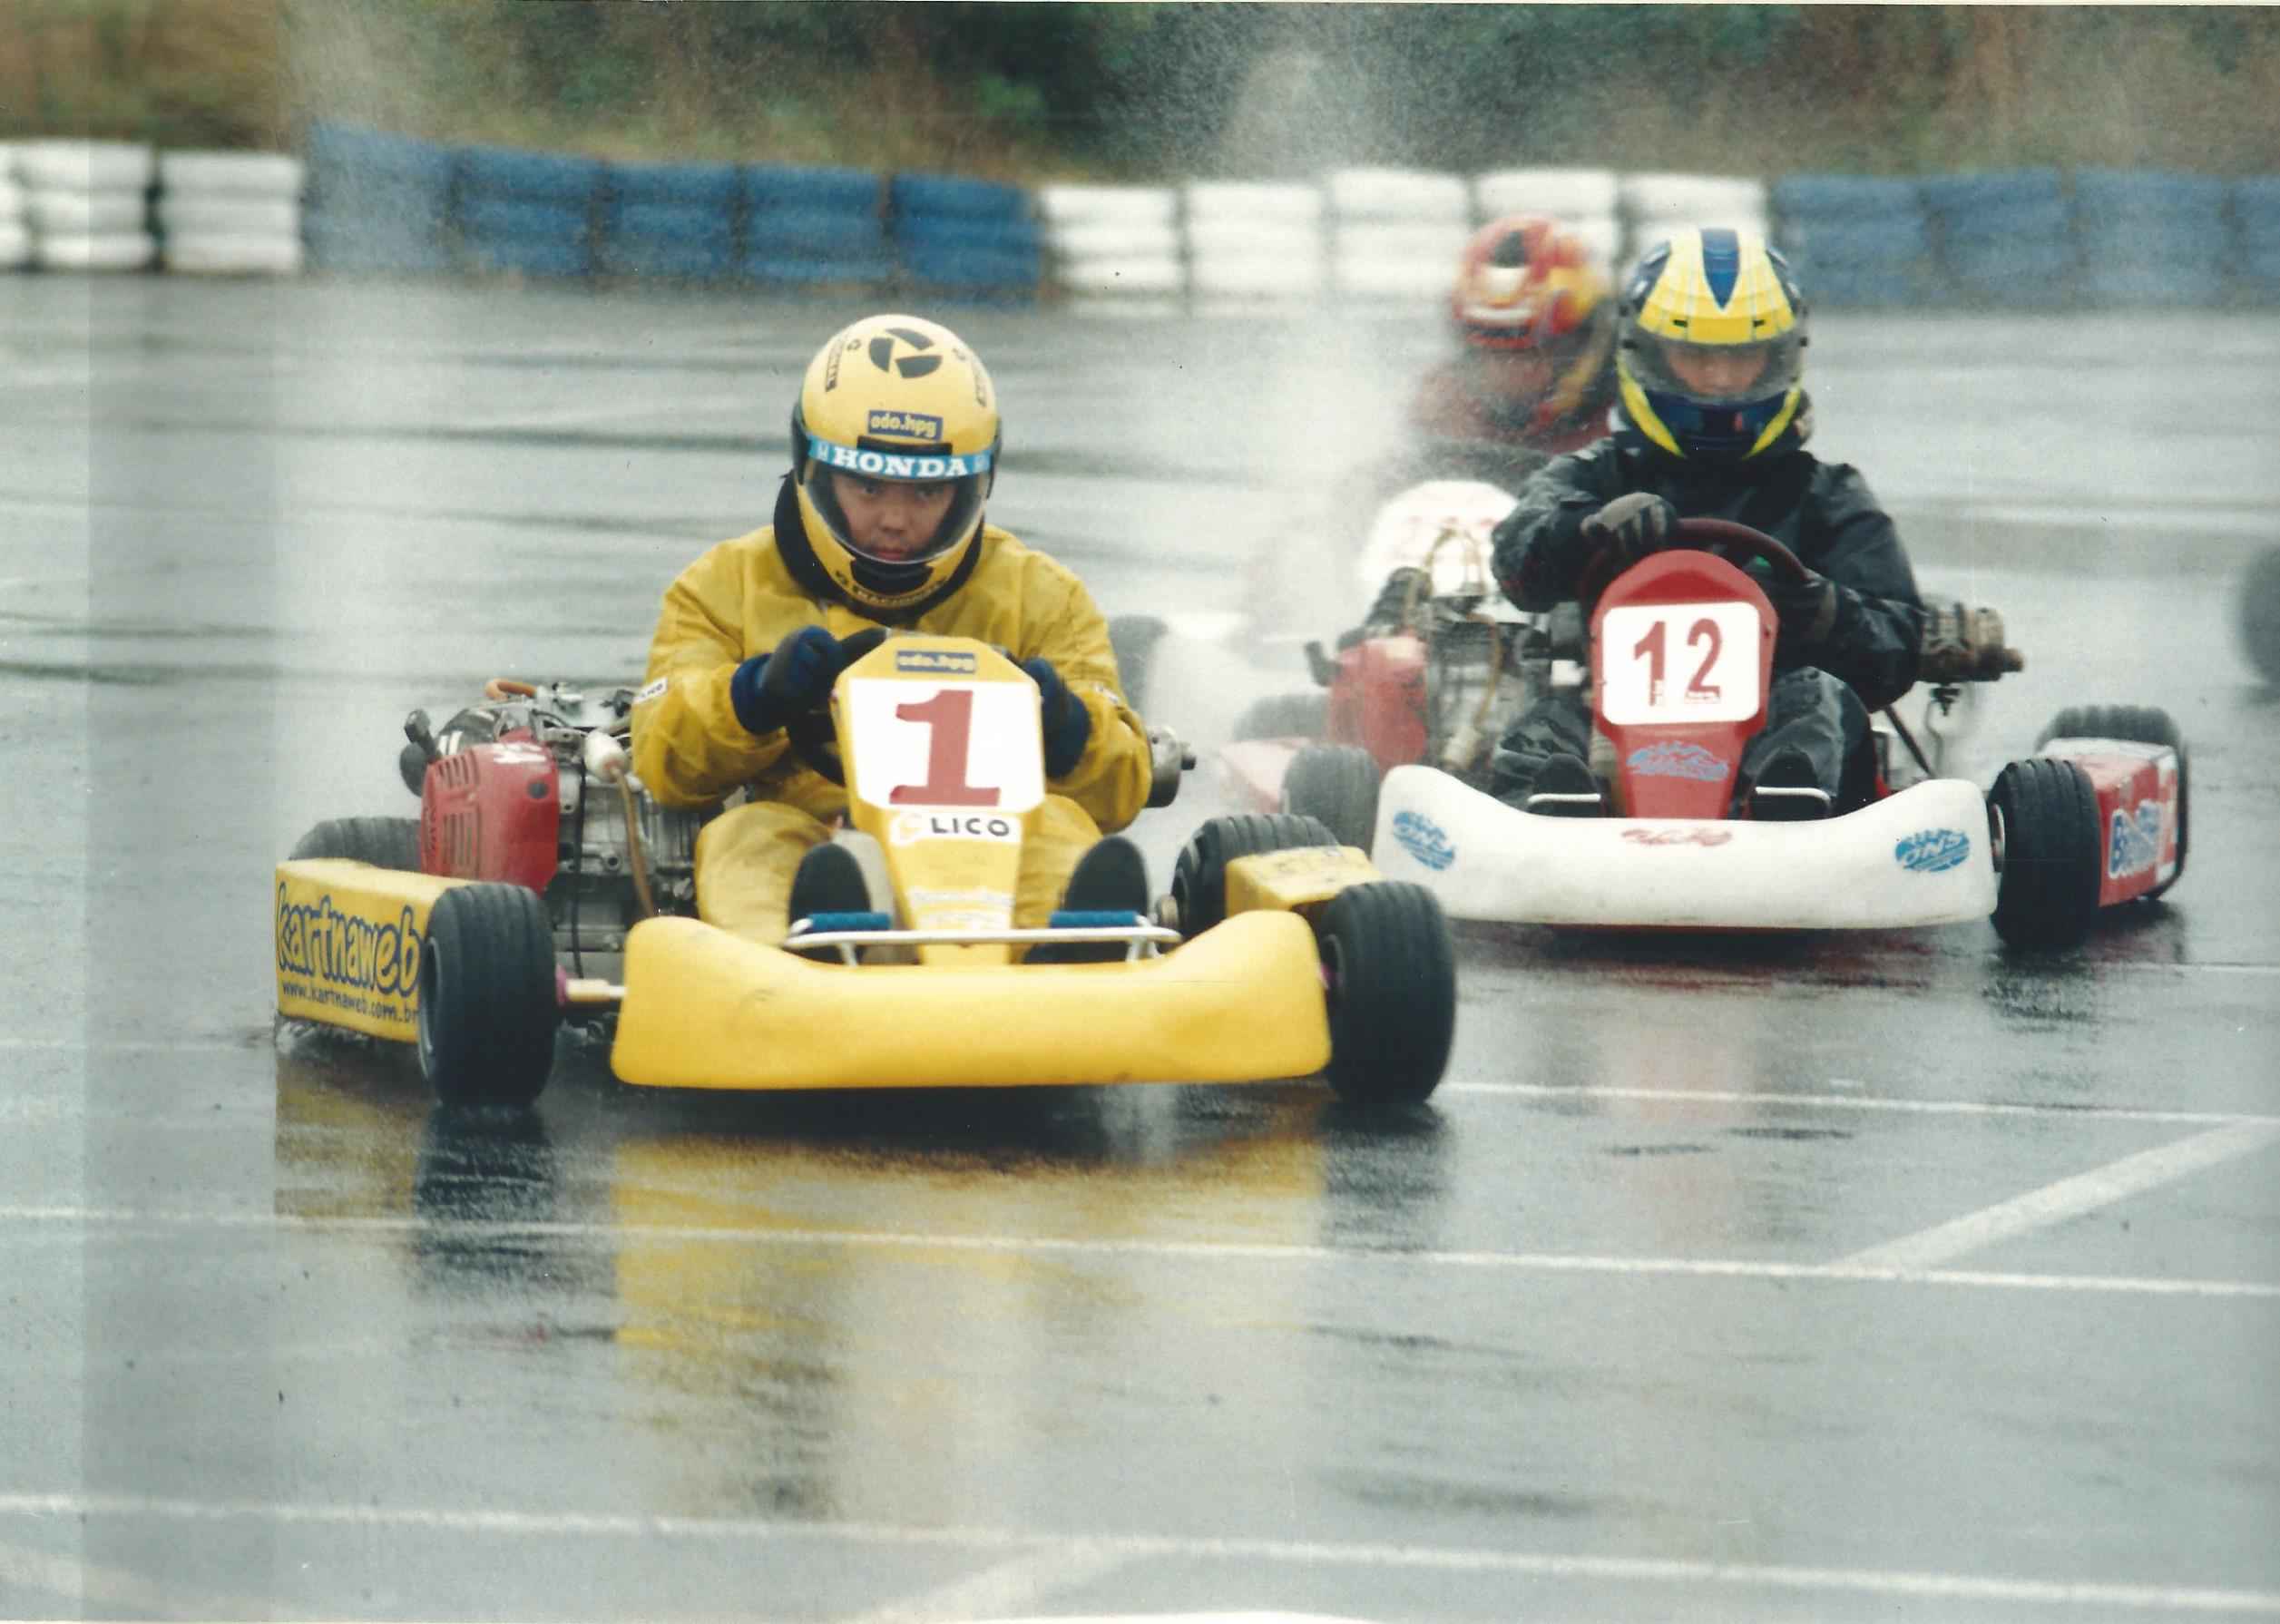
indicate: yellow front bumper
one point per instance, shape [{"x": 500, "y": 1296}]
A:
[{"x": 705, "y": 1010}]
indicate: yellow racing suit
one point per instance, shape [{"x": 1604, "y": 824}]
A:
[{"x": 740, "y": 599}]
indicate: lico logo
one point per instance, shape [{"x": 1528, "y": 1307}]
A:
[{"x": 910, "y": 827}]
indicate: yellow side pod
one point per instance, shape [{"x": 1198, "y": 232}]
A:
[
  {"x": 349, "y": 944},
  {"x": 703, "y": 1009}
]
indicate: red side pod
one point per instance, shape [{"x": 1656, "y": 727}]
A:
[
  {"x": 2136, "y": 788},
  {"x": 1377, "y": 700},
  {"x": 1680, "y": 769},
  {"x": 492, "y": 812}
]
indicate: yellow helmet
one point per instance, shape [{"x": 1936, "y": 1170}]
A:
[
  {"x": 1711, "y": 354},
  {"x": 894, "y": 400}
]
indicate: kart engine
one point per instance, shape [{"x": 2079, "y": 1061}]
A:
[
  {"x": 1485, "y": 665},
  {"x": 505, "y": 795}
]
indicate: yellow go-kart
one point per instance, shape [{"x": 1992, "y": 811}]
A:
[{"x": 1277, "y": 953}]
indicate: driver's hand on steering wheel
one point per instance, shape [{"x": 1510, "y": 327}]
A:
[
  {"x": 1630, "y": 527},
  {"x": 774, "y": 690}
]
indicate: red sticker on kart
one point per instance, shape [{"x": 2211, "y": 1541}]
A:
[{"x": 1678, "y": 662}]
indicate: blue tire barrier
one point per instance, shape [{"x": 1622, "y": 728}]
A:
[
  {"x": 2257, "y": 205},
  {"x": 809, "y": 235},
  {"x": 2148, "y": 197},
  {"x": 2260, "y": 271},
  {"x": 965, "y": 231},
  {"x": 1001, "y": 270},
  {"x": 528, "y": 256},
  {"x": 2049, "y": 220},
  {"x": 683, "y": 258},
  {"x": 1827, "y": 198},
  {"x": 806, "y": 271},
  {"x": 1858, "y": 242},
  {"x": 668, "y": 222},
  {"x": 953, "y": 196},
  {"x": 536, "y": 177},
  {"x": 2038, "y": 271},
  {"x": 771, "y": 187},
  {"x": 371, "y": 156},
  {"x": 1864, "y": 285},
  {"x": 1995, "y": 191},
  {"x": 356, "y": 243},
  {"x": 707, "y": 186},
  {"x": 497, "y": 219}
]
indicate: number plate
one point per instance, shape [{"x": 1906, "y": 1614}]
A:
[
  {"x": 948, "y": 744},
  {"x": 1678, "y": 662}
]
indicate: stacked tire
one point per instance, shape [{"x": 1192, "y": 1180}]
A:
[
  {"x": 2149, "y": 238},
  {"x": 1857, "y": 240},
  {"x": 673, "y": 222},
  {"x": 15, "y": 227},
  {"x": 377, "y": 203},
  {"x": 1587, "y": 201},
  {"x": 89, "y": 204},
  {"x": 1396, "y": 233},
  {"x": 527, "y": 214},
  {"x": 231, "y": 214},
  {"x": 1113, "y": 242},
  {"x": 2257, "y": 228},
  {"x": 963, "y": 239},
  {"x": 815, "y": 227},
  {"x": 1254, "y": 240},
  {"x": 2005, "y": 237},
  {"x": 1654, "y": 205}
]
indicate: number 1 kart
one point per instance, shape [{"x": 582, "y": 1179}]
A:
[
  {"x": 1679, "y": 663},
  {"x": 523, "y": 897}
]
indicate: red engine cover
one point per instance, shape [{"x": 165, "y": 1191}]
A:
[
  {"x": 492, "y": 812},
  {"x": 1377, "y": 700}
]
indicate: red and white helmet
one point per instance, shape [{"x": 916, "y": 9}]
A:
[{"x": 1529, "y": 285}]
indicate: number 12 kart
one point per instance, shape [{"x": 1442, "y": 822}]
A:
[
  {"x": 523, "y": 898},
  {"x": 1679, "y": 663}
]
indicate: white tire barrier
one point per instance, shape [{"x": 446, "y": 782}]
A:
[
  {"x": 274, "y": 175},
  {"x": 231, "y": 213},
  {"x": 1567, "y": 194},
  {"x": 1252, "y": 201},
  {"x": 1115, "y": 238},
  {"x": 15, "y": 245},
  {"x": 85, "y": 213},
  {"x": 226, "y": 255},
  {"x": 1399, "y": 194},
  {"x": 86, "y": 203},
  {"x": 204, "y": 214},
  {"x": 1120, "y": 205},
  {"x": 1692, "y": 200},
  {"x": 1254, "y": 240},
  {"x": 85, "y": 166},
  {"x": 121, "y": 251},
  {"x": 1405, "y": 260}
]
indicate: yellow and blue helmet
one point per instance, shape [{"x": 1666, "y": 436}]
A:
[
  {"x": 1710, "y": 357},
  {"x": 895, "y": 399}
]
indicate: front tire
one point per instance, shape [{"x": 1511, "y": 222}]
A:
[
  {"x": 1336, "y": 783},
  {"x": 2140, "y": 724},
  {"x": 1390, "y": 979},
  {"x": 487, "y": 1004},
  {"x": 1198, "y": 878},
  {"x": 383, "y": 842},
  {"x": 2053, "y": 853}
]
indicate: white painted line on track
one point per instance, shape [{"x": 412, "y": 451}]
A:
[
  {"x": 1018, "y": 1246},
  {"x": 2067, "y": 1199},
  {"x": 1005, "y": 1589},
  {"x": 1867, "y": 1581},
  {"x": 1865, "y": 1102}
]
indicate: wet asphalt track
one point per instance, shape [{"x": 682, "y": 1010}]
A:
[{"x": 1885, "y": 1277}]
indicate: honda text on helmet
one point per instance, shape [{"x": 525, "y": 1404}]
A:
[
  {"x": 1712, "y": 347},
  {"x": 894, "y": 446},
  {"x": 1533, "y": 305}
]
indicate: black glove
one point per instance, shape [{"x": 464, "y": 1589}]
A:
[
  {"x": 771, "y": 690},
  {"x": 1806, "y": 608},
  {"x": 1630, "y": 528},
  {"x": 1068, "y": 725}
]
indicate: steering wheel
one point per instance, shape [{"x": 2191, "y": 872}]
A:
[
  {"x": 815, "y": 742},
  {"x": 1720, "y": 537}
]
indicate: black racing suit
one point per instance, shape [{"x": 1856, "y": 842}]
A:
[{"x": 1824, "y": 689}]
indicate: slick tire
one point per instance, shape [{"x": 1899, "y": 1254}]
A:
[
  {"x": 383, "y": 842},
  {"x": 2052, "y": 849},
  {"x": 1336, "y": 783},
  {"x": 1198, "y": 878},
  {"x": 1389, "y": 975},
  {"x": 2140, "y": 724},
  {"x": 1285, "y": 716},
  {"x": 488, "y": 1007}
]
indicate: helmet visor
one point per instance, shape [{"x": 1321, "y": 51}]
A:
[
  {"x": 1716, "y": 375},
  {"x": 896, "y": 506}
]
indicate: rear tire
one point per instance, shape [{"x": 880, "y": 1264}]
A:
[
  {"x": 1390, "y": 974},
  {"x": 1336, "y": 783},
  {"x": 2053, "y": 853},
  {"x": 2140, "y": 724},
  {"x": 1198, "y": 878},
  {"x": 1285, "y": 716},
  {"x": 383, "y": 842},
  {"x": 487, "y": 1005}
]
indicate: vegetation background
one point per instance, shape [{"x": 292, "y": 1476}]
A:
[{"x": 1151, "y": 91}]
